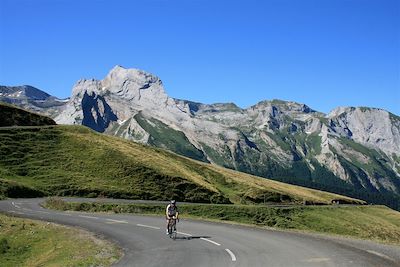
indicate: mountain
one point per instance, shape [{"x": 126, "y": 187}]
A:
[
  {"x": 31, "y": 98},
  {"x": 13, "y": 116},
  {"x": 353, "y": 151}
]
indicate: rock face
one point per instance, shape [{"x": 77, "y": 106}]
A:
[
  {"x": 374, "y": 128},
  {"x": 355, "y": 151}
]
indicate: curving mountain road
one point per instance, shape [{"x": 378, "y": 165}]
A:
[{"x": 211, "y": 244}]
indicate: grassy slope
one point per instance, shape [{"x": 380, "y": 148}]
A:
[
  {"x": 161, "y": 135},
  {"x": 14, "y": 190},
  {"x": 26, "y": 242},
  {"x": 377, "y": 223},
  {"x": 73, "y": 160},
  {"x": 12, "y": 116}
]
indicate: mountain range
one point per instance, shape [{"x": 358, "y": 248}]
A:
[{"x": 352, "y": 150}]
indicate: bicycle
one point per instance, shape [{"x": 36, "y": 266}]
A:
[{"x": 172, "y": 228}]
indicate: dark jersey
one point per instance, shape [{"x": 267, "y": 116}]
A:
[{"x": 171, "y": 210}]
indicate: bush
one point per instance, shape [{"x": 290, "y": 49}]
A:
[
  {"x": 4, "y": 247},
  {"x": 219, "y": 199},
  {"x": 56, "y": 203}
]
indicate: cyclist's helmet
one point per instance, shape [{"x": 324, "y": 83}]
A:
[{"x": 173, "y": 202}]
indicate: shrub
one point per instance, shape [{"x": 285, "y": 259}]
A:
[
  {"x": 56, "y": 203},
  {"x": 4, "y": 246}
]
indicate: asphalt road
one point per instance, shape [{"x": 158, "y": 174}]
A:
[{"x": 211, "y": 244}]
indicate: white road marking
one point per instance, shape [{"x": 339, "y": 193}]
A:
[
  {"x": 116, "y": 221},
  {"x": 89, "y": 217},
  {"x": 184, "y": 234},
  {"x": 148, "y": 226},
  {"x": 43, "y": 212},
  {"x": 208, "y": 240},
  {"x": 15, "y": 205},
  {"x": 317, "y": 260},
  {"x": 16, "y": 212},
  {"x": 233, "y": 257},
  {"x": 380, "y": 255}
]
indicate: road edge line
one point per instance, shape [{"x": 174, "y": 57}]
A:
[{"x": 376, "y": 253}]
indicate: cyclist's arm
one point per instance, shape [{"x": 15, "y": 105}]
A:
[{"x": 166, "y": 212}]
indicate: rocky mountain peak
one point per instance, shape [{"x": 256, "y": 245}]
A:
[
  {"x": 31, "y": 98},
  {"x": 35, "y": 93},
  {"x": 284, "y": 106},
  {"x": 85, "y": 86},
  {"x": 337, "y": 111},
  {"x": 119, "y": 75},
  {"x": 133, "y": 85},
  {"x": 129, "y": 84},
  {"x": 125, "y": 91},
  {"x": 24, "y": 90},
  {"x": 372, "y": 127}
]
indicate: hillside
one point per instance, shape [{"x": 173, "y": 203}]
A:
[
  {"x": 13, "y": 116},
  {"x": 76, "y": 161}
]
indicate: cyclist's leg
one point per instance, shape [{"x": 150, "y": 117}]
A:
[{"x": 168, "y": 223}]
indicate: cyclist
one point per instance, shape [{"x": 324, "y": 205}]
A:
[{"x": 171, "y": 212}]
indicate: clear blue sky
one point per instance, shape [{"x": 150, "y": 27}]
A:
[{"x": 324, "y": 53}]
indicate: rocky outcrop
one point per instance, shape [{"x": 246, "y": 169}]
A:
[
  {"x": 97, "y": 114},
  {"x": 375, "y": 128}
]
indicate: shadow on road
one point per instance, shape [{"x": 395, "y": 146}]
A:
[{"x": 190, "y": 237}]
